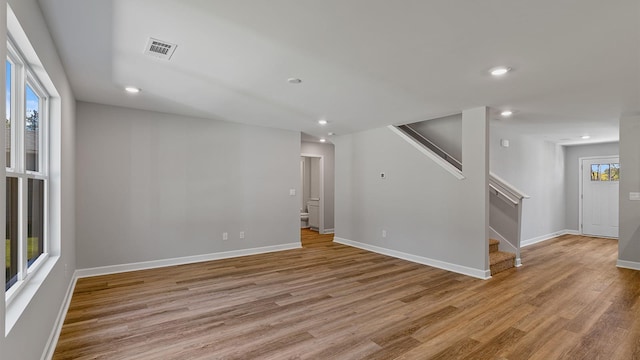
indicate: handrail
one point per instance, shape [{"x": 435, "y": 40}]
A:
[
  {"x": 513, "y": 201},
  {"x": 433, "y": 147},
  {"x": 496, "y": 183},
  {"x": 507, "y": 189},
  {"x": 446, "y": 165}
]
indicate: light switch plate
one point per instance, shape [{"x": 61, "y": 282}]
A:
[{"x": 635, "y": 196}]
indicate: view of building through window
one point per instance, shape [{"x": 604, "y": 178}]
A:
[{"x": 32, "y": 129}]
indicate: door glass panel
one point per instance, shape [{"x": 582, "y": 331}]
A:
[
  {"x": 615, "y": 172},
  {"x": 604, "y": 172},
  {"x": 595, "y": 172}
]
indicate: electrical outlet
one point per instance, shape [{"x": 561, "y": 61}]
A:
[
  {"x": 241, "y": 234},
  {"x": 225, "y": 236},
  {"x": 384, "y": 233}
]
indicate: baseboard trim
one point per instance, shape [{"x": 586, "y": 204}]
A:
[
  {"x": 52, "y": 342},
  {"x": 114, "y": 269},
  {"x": 328, "y": 231},
  {"x": 633, "y": 265},
  {"x": 546, "y": 237},
  {"x": 476, "y": 273}
]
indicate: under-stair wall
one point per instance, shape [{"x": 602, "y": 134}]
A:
[
  {"x": 503, "y": 222},
  {"x": 393, "y": 199}
]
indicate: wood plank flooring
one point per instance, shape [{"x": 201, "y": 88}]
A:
[{"x": 329, "y": 301}]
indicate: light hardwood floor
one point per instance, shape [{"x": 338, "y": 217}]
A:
[{"x": 329, "y": 301}]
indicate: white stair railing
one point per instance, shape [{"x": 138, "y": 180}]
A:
[{"x": 505, "y": 222}]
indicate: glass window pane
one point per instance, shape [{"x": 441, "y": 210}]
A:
[
  {"x": 604, "y": 172},
  {"x": 11, "y": 228},
  {"x": 35, "y": 219},
  {"x": 32, "y": 130},
  {"x": 595, "y": 172},
  {"x": 8, "y": 111},
  {"x": 615, "y": 172}
]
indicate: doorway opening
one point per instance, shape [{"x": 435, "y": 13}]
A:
[
  {"x": 317, "y": 188},
  {"x": 312, "y": 187}
]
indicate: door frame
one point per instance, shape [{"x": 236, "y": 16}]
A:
[
  {"x": 320, "y": 191},
  {"x": 580, "y": 188}
]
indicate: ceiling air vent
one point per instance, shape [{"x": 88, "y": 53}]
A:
[{"x": 160, "y": 49}]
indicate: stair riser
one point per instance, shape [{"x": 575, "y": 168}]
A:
[
  {"x": 493, "y": 248},
  {"x": 502, "y": 266}
]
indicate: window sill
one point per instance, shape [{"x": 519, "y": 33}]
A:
[{"x": 23, "y": 295}]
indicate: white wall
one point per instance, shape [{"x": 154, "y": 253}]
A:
[
  {"x": 629, "y": 238},
  {"x": 28, "y": 337},
  {"x": 573, "y": 176},
  {"x": 536, "y": 167},
  {"x": 328, "y": 153},
  {"x": 154, "y": 186},
  {"x": 425, "y": 210}
]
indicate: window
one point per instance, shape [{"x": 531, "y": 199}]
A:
[
  {"x": 605, "y": 172},
  {"x": 27, "y": 172}
]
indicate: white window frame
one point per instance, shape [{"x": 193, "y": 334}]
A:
[{"x": 22, "y": 75}]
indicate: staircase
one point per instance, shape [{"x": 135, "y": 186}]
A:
[
  {"x": 499, "y": 260},
  {"x": 505, "y": 201}
]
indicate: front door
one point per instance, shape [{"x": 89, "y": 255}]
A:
[{"x": 600, "y": 183}]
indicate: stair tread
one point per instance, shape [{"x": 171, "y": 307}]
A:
[
  {"x": 494, "y": 242},
  {"x": 499, "y": 256}
]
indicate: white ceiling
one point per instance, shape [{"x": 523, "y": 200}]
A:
[{"x": 364, "y": 63}]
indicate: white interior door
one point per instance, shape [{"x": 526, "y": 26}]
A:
[{"x": 600, "y": 187}]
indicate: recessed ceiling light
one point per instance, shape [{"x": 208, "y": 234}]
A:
[
  {"x": 585, "y": 137},
  {"x": 506, "y": 113},
  {"x": 294, "y": 80},
  {"x": 323, "y": 140},
  {"x": 499, "y": 70},
  {"x": 322, "y": 122},
  {"x": 132, "y": 89}
]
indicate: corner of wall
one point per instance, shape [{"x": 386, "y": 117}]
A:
[{"x": 629, "y": 213}]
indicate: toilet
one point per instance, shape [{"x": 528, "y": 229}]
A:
[{"x": 304, "y": 219}]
